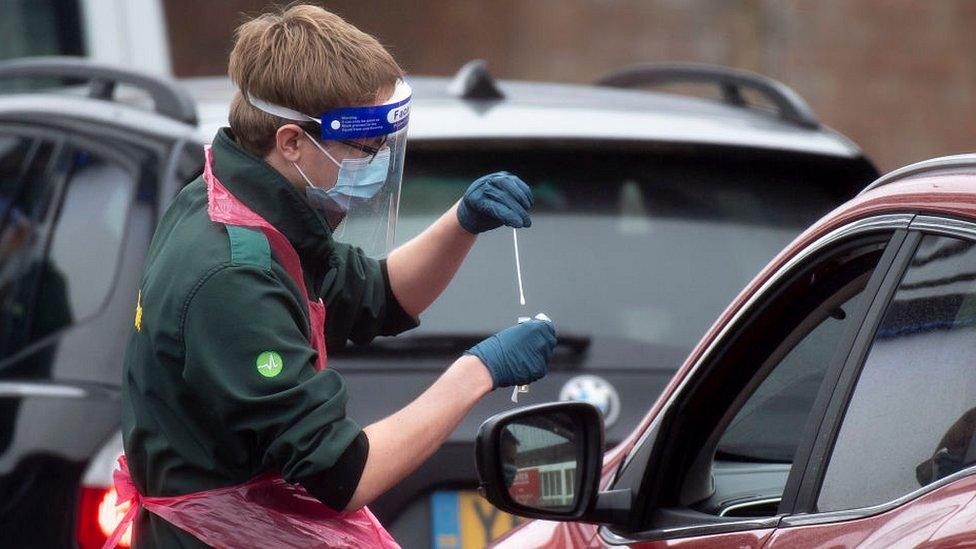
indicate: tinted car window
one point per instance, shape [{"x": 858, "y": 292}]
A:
[
  {"x": 779, "y": 361},
  {"x": 25, "y": 197},
  {"x": 59, "y": 264},
  {"x": 730, "y": 439},
  {"x": 633, "y": 252},
  {"x": 14, "y": 152},
  {"x": 911, "y": 418},
  {"x": 51, "y": 27}
]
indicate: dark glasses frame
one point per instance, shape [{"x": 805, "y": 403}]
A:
[{"x": 370, "y": 150}]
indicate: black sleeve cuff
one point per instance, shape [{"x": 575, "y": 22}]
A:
[
  {"x": 396, "y": 319},
  {"x": 336, "y": 485}
]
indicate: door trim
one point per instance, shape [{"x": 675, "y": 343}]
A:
[
  {"x": 865, "y": 512},
  {"x": 794, "y": 497},
  {"x": 843, "y": 387},
  {"x": 946, "y": 226}
]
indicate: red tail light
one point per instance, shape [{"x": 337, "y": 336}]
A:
[{"x": 98, "y": 516}]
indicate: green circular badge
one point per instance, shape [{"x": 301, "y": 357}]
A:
[{"x": 269, "y": 363}]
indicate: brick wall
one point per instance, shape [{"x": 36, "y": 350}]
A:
[{"x": 897, "y": 76}]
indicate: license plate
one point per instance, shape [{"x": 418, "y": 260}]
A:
[{"x": 465, "y": 520}]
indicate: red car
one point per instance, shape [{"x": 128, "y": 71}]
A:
[{"x": 832, "y": 404}]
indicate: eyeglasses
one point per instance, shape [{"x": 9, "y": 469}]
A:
[{"x": 370, "y": 150}]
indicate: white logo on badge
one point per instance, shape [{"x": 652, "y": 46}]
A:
[{"x": 335, "y": 125}]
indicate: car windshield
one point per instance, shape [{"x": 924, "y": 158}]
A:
[{"x": 632, "y": 252}]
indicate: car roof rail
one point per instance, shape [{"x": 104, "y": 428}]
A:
[
  {"x": 169, "y": 98},
  {"x": 967, "y": 160},
  {"x": 474, "y": 82},
  {"x": 789, "y": 105}
]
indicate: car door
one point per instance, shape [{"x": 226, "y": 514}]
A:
[
  {"x": 895, "y": 460},
  {"x": 76, "y": 221},
  {"x": 723, "y": 461}
]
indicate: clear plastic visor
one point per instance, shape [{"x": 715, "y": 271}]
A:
[{"x": 366, "y": 206}]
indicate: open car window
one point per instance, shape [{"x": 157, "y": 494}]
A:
[
  {"x": 726, "y": 447},
  {"x": 782, "y": 375},
  {"x": 768, "y": 426}
]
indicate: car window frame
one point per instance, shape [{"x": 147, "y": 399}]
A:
[
  {"x": 65, "y": 141},
  {"x": 37, "y": 134},
  {"x": 58, "y": 141},
  {"x": 646, "y": 452},
  {"x": 180, "y": 169},
  {"x": 806, "y": 512}
]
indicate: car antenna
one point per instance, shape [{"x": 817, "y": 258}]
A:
[{"x": 474, "y": 82}]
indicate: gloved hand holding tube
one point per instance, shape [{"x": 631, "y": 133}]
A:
[
  {"x": 494, "y": 200},
  {"x": 518, "y": 355}
]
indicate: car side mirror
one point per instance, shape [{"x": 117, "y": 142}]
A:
[{"x": 544, "y": 462}]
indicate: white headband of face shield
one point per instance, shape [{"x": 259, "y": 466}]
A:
[{"x": 401, "y": 92}]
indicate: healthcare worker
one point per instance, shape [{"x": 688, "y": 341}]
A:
[{"x": 234, "y": 425}]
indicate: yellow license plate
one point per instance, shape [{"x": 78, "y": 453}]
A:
[{"x": 465, "y": 520}]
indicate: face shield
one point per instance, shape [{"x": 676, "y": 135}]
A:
[{"x": 363, "y": 205}]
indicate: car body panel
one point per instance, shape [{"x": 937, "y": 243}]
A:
[
  {"x": 543, "y": 533},
  {"x": 573, "y": 535},
  {"x": 957, "y": 530}
]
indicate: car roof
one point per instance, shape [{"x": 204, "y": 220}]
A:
[
  {"x": 532, "y": 110},
  {"x": 944, "y": 186},
  {"x": 954, "y": 164},
  {"x": 72, "y": 110},
  {"x": 473, "y": 106}
]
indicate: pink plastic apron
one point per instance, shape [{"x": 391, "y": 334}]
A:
[{"x": 266, "y": 510}]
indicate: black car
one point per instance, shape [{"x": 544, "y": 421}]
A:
[{"x": 652, "y": 210}]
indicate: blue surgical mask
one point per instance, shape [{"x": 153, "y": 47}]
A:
[{"x": 359, "y": 179}]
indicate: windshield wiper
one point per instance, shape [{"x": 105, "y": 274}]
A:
[{"x": 569, "y": 347}]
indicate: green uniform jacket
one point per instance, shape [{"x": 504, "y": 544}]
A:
[{"x": 198, "y": 413}]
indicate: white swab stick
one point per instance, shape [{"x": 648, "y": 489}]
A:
[{"x": 518, "y": 268}]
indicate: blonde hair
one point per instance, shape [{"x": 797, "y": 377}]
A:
[{"x": 307, "y": 59}]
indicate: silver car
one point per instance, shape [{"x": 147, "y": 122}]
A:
[{"x": 652, "y": 211}]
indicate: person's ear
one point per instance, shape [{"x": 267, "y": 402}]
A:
[{"x": 289, "y": 142}]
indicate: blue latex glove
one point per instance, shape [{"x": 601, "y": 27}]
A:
[
  {"x": 494, "y": 200},
  {"x": 518, "y": 355}
]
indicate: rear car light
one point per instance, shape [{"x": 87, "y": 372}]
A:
[{"x": 97, "y": 514}]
